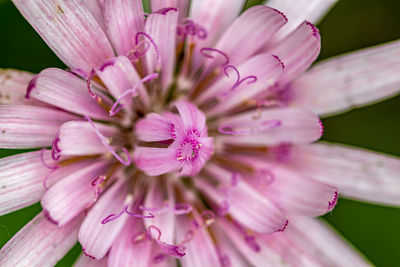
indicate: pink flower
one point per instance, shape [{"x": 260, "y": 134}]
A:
[{"x": 186, "y": 135}]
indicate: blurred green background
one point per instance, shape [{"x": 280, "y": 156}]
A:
[{"x": 351, "y": 24}]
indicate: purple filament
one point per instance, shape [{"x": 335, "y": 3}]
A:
[
  {"x": 182, "y": 208},
  {"x": 152, "y": 42},
  {"x": 164, "y": 11},
  {"x": 115, "y": 108},
  {"x": 55, "y": 167},
  {"x": 189, "y": 27},
  {"x": 89, "y": 86},
  {"x": 96, "y": 184},
  {"x": 265, "y": 125},
  {"x": 114, "y": 216},
  {"x": 137, "y": 52},
  {"x": 55, "y": 150},
  {"x": 210, "y": 49},
  {"x": 239, "y": 81},
  {"x": 31, "y": 85},
  {"x": 105, "y": 143}
]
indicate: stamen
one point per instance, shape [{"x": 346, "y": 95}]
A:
[
  {"x": 251, "y": 78},
  {"x": 168, "y": 249},
  {"x": 155, "y": 228},
  {"x": 189, "y": 27},
  {"x": 55, "y": 150},
  {"x": 139, "y": 237},
  {"x": 210, "y": 49},
  {"x": 52, "y": 168},
  {"x": 31, "y": 85},
  {"x": 89, "y": 85},
  {"x": 265, "y": 125},
  {"x": 114, "y": 216},
  {"x": 164, "y": 11},
  {"x": 208, "y": 217},
  {"x": 138, "y": 52},
  {"x": 105, "y": 143},
  {"x": 115, "y": 108},
  {"x": 97, "y": 184},
  {"x": 153, "y": 43},
  {"x": 182, "y": 208}
]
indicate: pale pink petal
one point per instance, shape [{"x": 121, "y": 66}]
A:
[
  {"x": 155, "y": 161},
  {"x": 126, "y": 252},
  {"x": 13, "y": 84},
  {"x": 73, "y": 194},
  {"x": 191, "y": 116},
  {"x": 299, "y": 10},
  {"x": 181, "y": 5},
  {"x": 266, "y": 69},
  {"x": 95, "y": 237},
  {"x": 162, "y": 29},
  {"x": 264, "y": 216},
  {"x": 155, "y": 128},
  {"x": 298, "y": 51},
  {"x": 200, "y": 248},
  {"x": 165, "y": 219},
  {"x": 323, "y": 243},
  {"x": 96, "y": 8},
  {"x": 119, "y": 75},
  {"x": 349, "y": 81},
  {"x": 212, "y": 21},
  {"x": 358, "y": 173},
  {"x": 124, "y": 18},
  {"x": 252, "y": 30},
  {"x": 66, "y": 91},
  {"x": 29, "y": 126},
  {"x": 78, "y": 138},
  {"x": 270, "y": 127},
  {"x": 39, "y": 243},
  {"x": 70, "y": 30},
  {"x": 86, "y": 261}
]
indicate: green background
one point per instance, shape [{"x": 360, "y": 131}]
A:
[{"x": 351, "y": 24}]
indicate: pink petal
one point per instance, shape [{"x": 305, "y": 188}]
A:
[
  {"x": 349, "y": 81},
  {"x": 358, "y": 173},
  {"x": 191, "y": 116},
  {"x": 97, "y": 238},
  {"x": 125, "y": 252},
  {"x": 73, "y": 194},
  {"x": 79, "y": 138},
  {"x": 298, "y": 50},
  {"x": 70, "y": 30},
  {"x": 119, "y": 75},
  {"x": 200, "y": 248},
  {"x": 124, "y": 18},
  {"x": 299, "y": 10},
  {"x": 66, "y": 91},
  {"x": 295, "y": 126},
  {"x": 29, "y": 126},
  {"x": 13, "y": 87},
  {"x": 181, "y": 5},
  {"x": 266, "y": 68},
  {"x": 155, "y": 161},
  {"x": 154, "y": 128},
  {"x": 96, "y": 8},
  {"x": 39, "y": 243},
  {"x": 162, "y": 29},
  {"x": 248, "y": 33},
  {"x": 264, "y": 216},
  {"x": 86, "y": 261},
  {"x": 323, "y": 243}
]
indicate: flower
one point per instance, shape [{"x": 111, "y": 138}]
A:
[{"x": 252, "y": 164}]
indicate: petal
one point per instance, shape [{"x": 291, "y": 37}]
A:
[
  {"x": 125, "y": 252},
  {"x": 154, "y": 128},
  {"x": 162, "y": 29},
  {"x": 73, "y": 194},
  {"x": 29, "y": 126},
  {"x": 320, "y": 240},
  {"x": 124, "y": 18},
  {"x": 358, "y": 173},
  {"x": 66, "y": 91},
  {"x": 155, "y": 161},
  {"x": 97, "y": 238},
  {"x": 69, "y": 29},
  {"x": 22, "y": 177},
  {"x": 349, "y": 81},
  {"x": 96, "y": 8},
  {"x": 200, "y": 248},
  {"x": 78, "y": 138},
  {"x": 263, "y": 216},
  {"x": 119, "y": 75},
  {"x": 298, "y": 51},
  {"x": 292, "y": 126},
  {"x": 299, "y": 10},
  {"x": 86, "y": 261},
  {"x": 13, "y": 84},
  {"x": 266, "y": 68},
  {"x": 191, "y": 116},
  {"x": 39, "y": 243},
  {"x": 181, "y": 5},
  {"x": 252, "y": 30}
]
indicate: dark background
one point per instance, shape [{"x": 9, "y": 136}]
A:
[{"x": 351, "y": 24}]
